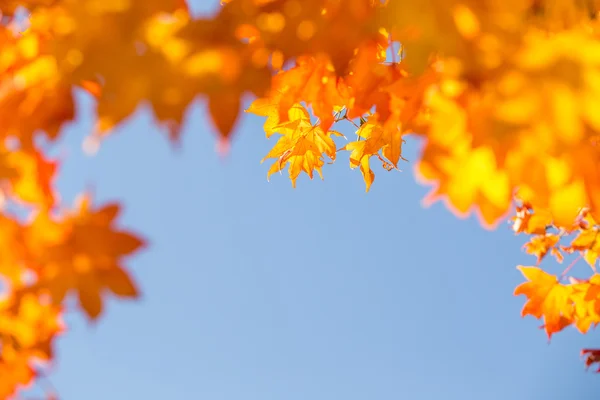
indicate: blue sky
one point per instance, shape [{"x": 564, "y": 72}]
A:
[{"x": 255, "y": 291}]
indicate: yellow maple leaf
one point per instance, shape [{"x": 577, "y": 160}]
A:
[
  {"x": 301, "y": 145},
  {"x": 466, "y": 178},
  {"x": 268, "y": 107},
  {"x": 586, "y": 298},
  {"x": 31, "y": 324},
  {"x": 363, "y": 150},
  {"x": 376, "y": 137}
]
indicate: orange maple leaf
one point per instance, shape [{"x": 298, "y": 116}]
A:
[
  {"x": 540, "y": 245},
  {"x": 546, "y": 298},
  {"x": 34, "y": 95},
  {"x": 531, "y": 222},
  {"x": 28, "y": 327},
  {"x": 82, "y": 253},
  {"x": 370, "y": 78},
  {"x": 16, "y": 372},
  {"x": 34, "y": 177},
  {"x": 312, "y": 81}
]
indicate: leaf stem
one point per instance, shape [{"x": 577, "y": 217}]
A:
[{"x": 566, "y": 271}]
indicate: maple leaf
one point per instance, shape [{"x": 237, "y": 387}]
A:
[
  {"x": 302, "y": 146},
  {"x": 466, "y": 178},
  {"x": 587, "y": 239},
  {"x": 31, "y": 324},
  {"x": 312, "y": 81},
  {"x": 588, "y": 244},
  {"x": 540, "y": 245},
  {"x": 586, "y": 299},
  {"x": 33, "y": 94},
  {"x": 33, "y": 177},
  {"x": 546, "y": 298},
  {"x": 464, "y": 175},
  {"x": 28, "y": 327},
  {"x": 369, "y": 79},
  {"x": 82, "y": 253},
  {"x": 268, "y": 107},
  {"x": 531, "y": 223},
  {"x": 27, "y": 177},
  {"x": 592, "y": 356},
  {"x": 408, "y": 95},
  {"x": 376, "y": 137},
  {"x": 16, "y": 372}
]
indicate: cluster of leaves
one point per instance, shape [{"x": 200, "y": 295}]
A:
[
  {"x": 505, "y": 97},
  {"x": 503, "y": 93},
  {"x": 48, "y": 251},
  {"x": 564, "y": 300}
]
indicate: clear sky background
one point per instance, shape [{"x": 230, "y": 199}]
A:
[{"x": 256, "y": 291}]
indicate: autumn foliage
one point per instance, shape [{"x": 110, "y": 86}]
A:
[{"x": 504, "y": 94}]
